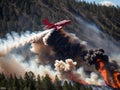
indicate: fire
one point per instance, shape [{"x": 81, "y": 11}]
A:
[
  {"x": 116, "y": 76},
  {"x": 108, "y": 70},
  {"x": 104, "y": 72}
]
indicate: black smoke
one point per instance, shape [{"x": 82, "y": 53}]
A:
[
  {"x": 93, "y": 54},
  {"x": 63, "y": 47}
]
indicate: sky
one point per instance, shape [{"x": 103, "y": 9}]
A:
[{"x": 115, "y": 2}]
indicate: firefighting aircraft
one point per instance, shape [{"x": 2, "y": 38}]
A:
[{"x": 57, "y": 26}]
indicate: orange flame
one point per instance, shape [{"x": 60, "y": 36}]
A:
[
  {"x": 104, "y": 72},
  {"x": 116, "y": 76}
]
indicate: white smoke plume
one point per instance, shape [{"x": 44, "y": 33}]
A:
[
  {"x": 15, "y": 40},
  {"x": 10, "y": 61},
  {"x": 10, "y": 66},
  {"x": 41, "y": 70},
  {"x": 46, "y": 37},
  {"x": 66, "y": 66},
  {"x": 67, "y": 70}
]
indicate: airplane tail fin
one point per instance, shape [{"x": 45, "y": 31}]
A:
[{"x": 46, "y": 22}]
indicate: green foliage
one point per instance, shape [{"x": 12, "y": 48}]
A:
[
  {"x": 30, "y": 83},
  {"x": 67, "y": 86},
  {"x": 57, "y": 84},
  {"x": 47, "y": 83},
  {"x": 76, "y": 86}
]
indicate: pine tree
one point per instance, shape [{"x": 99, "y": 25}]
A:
[
  {"x": 75, "y": 86},
  {"x": 15, "y": 83},
  {"x": 38, "y": 84},
  {"x": 67, "y": 86},
  {"x": 82, "y": 87},
  {"x": 57, "y": 83},
  {"x": 21, "y": 83},
  {"x": 30, "y": 80},
  {"x": 2, "y": 79},
  {"x": 47, "y": 83}
]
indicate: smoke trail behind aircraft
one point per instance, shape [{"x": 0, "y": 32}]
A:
[
  {"x": 9, "y": 49},
  {"x": 15, "y": 40}
]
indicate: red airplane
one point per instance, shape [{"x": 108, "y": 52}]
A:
[{"x": 57, "y": 26}]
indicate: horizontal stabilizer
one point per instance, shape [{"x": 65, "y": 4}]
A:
[{"x": 46, "y": 22}]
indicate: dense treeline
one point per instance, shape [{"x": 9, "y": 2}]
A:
[
  {"x": 29, "y": 82},
  {"x": 21, "y": 15}
]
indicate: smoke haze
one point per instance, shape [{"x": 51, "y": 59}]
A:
[{"x": 95, "y": 38}]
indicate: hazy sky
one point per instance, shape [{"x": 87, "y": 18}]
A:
[{"x": 116, "y": 2}]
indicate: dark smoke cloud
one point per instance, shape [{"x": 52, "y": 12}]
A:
[
  {"x": 58, "y": 45},
  {"x": 66, "y": 45},
  {"x": 94, "y": 54}
]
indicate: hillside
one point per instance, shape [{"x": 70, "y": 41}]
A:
[
  {"x": 85, "y": 52},
  {"x": 28, "y": 15}
]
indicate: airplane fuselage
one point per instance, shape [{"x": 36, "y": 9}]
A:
[{"x": 58, "y": 25}]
